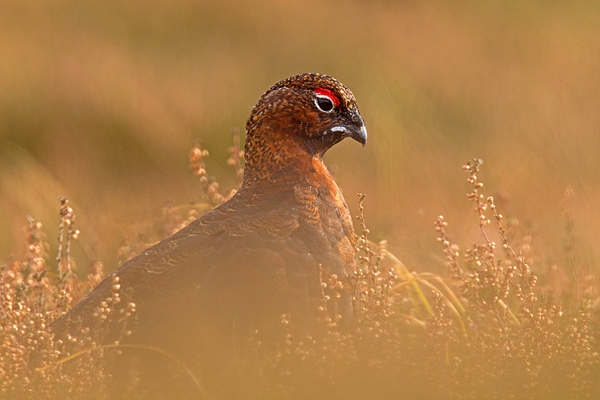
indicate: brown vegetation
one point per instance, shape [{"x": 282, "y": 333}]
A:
[{"x": 499, "y": 326}]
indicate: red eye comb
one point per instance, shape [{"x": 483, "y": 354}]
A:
[{"x": 328, "y": 93}]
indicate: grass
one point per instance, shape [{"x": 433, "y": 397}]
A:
[{"x": 494, "y": 326}]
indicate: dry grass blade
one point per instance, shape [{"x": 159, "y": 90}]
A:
[{"x": 407, "y": 276}]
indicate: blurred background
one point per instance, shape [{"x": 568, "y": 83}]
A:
[{"x": 101, "y": 101}]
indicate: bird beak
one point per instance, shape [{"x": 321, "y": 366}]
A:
[
  {"x": 360, "y": 134},
  {"x": 356, "y": 128}
]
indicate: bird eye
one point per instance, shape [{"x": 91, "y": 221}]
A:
[
  {"x": 324, "y": 103},
  {"x": 325, "y": 100}
]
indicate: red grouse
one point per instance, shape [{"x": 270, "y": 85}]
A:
[{"x": 257, "y": 256}]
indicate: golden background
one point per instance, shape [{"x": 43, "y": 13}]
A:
[{"x": 101, "y": 102}]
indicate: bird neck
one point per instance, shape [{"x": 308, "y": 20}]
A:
[
  {"x": 282, "y": 160},
  {"x": 288, "y": 172}
]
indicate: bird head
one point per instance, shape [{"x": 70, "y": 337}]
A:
[{"x": 303, "y": 115}]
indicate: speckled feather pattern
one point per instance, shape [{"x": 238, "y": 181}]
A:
[{"x": 288, "y": 219}]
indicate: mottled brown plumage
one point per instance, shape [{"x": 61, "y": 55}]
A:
[{"x": 258, "y": 255}]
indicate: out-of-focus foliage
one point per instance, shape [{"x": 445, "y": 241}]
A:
[{"x": 100, "y": 102}]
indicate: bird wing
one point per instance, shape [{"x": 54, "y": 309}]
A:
[{"x": 219, "y": 246}]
